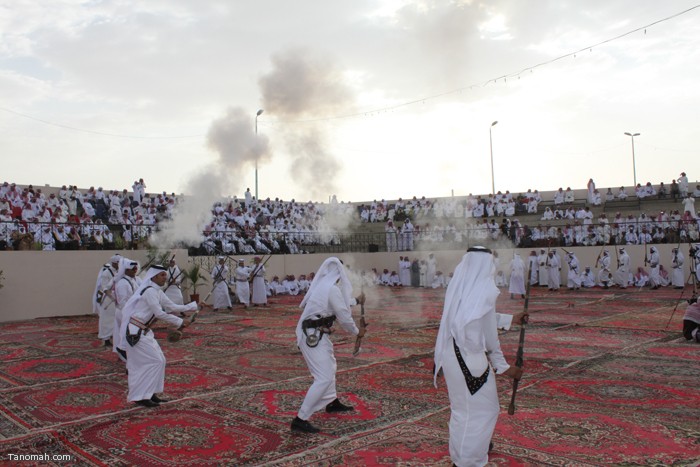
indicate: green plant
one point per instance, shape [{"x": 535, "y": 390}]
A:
[{"x": 193, "y": 277}]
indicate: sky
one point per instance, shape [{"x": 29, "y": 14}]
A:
[{"x": 362, "y": 99}]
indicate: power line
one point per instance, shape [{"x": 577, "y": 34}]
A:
[
  {"x": 494, "y": 80},
  {"x": 387, "y": 108},
  {"x": 94, "y": 132}
]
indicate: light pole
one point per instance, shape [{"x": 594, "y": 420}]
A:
[
  {"x": 256, "y": 157},
  {"x": 493, "y": 184},
  {"x": 634, "y": 163}
]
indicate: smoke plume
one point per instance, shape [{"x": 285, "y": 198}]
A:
[
  {"x": 237, "y": 148},
  {"x": 301, "y": 89}
]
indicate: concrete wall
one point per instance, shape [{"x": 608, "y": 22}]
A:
[{"x": 61, "y": 283}]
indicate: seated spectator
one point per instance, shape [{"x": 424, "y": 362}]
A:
[
  {"x": 649, "y": 190},
  {"x": 621, "y": 194},
  {"x": 559, "y": 196},
  {"x": 675, "y": 190},
  {"x": 609, "y": 196},
  {"x": 568, "y": 195}
]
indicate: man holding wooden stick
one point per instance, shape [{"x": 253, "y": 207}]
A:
[{"x": 469, "y": 352}]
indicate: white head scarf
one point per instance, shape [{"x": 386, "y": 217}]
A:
[
  {"x": 316, "y": 299},
  {"x": 471, "y": 294},
  {"x": 130, "y": 305},
  {"x": 114, "y": 259},
  {"x": 517, "y": 265}
]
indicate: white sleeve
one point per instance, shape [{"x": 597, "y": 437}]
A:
[
  {"x": 503, "y": 321},
  {"x": 493, "y": 345},
  {"x": 341, "y": 311},
  {"x": 168, "y": 306}
]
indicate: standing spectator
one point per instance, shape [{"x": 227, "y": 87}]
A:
[
  {"x": 517, "y": 276},
  {"x": 683, "y": 185}
]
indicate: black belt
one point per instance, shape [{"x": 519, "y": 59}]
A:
[
  {"x": 325, "y": 322},
  {"x": 320, "y": 327},
  {"x": 473, "y": 383}
]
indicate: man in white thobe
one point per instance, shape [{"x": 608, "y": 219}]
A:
[
  {"x": 242, "y": 275},
  {"x": 172, "y": 286},
  {"x": 125, "y": 285},
  {"x": 573, "y": 276},
  {"x": 654, "y": 269},
  {"x": 677, "y": 277},
  {"x": 328, "y": 300},
  {"x": 604, "y": 275},
  {"x": 468, "y": 340},
  {"x": 259, "y": 297},
  {"x": 517, "y": 277},
  {"x": 431, "y": 264},
  {"x": 103, "y": 299},
  {"x": 543, "y": 274},
  {"x": 622, "y": 275},
  {"x": 553, "y": 271},
  {"x": 219, "y": 292},
  {"x": 145, "y": 360}
]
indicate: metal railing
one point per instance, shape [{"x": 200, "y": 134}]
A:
[{"x": 20, "y": 235}]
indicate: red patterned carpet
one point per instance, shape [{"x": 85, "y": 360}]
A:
[{"x": 606, "y": 384}]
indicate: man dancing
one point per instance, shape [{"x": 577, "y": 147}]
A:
[
  {"x": 329, "y": 299},
  {"x": 145, "y": 360}
]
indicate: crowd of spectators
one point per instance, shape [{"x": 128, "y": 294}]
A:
[{"x": 106, "y": 219}]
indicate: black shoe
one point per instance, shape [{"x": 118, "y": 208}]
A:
[
  {"x": 158, "y": 400},
  {"x": 337, "y": 406},
  {"x": 490, "y": 446},
  {"x": 108, "y": 342},
  {"x": 147, "y": 403},
  {"x": 303, "y": 425}
]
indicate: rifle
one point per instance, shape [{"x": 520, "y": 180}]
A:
[
  {"x": 172, "y": 280},
  {"x": 521, "y": 345},
  {"x": 218, "y": 278},
  {"x": 363, "y": 323},
  {"x": 257, "y": 269}
]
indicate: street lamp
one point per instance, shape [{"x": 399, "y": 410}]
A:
[
  {"x": 634, "y": 164},
  {"x": 256, "y": 157},
  {"x": 493, "y": 184}
]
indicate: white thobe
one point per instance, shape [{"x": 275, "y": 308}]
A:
[
  {"x": 219, "y": 292},
  {"x": 677, "y": 278},
  {"x": 106, "y": 309},
  {"x": 172, "y": 286},
  {"x": 543, "y": 274},
  {"x": 321, "y": 359},
  {"x": 259, "y": 289},
  {"x": 241, "y": 274},
  {"x": 517, "y": 277},
  {"x": 654, "y": 272},
  {"x": 145, "y": 361},
  {"x": 553, "y": 275},
  {"x": 473, "y": 416},
  {"x": 123, "y": 290},
  {"x": 430, "y": 271}
]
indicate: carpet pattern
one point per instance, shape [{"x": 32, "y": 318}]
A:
[{"x": 609, "y": 380}]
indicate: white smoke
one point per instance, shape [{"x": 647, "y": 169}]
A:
[{"x": 238, "y": 148}]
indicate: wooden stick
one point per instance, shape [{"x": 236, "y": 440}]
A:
[{"x": 521, "y": 345}]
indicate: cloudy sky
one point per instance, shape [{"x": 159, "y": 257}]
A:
[{"x": 363, "y": 99}]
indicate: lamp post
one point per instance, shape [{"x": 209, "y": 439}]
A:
[
  {"x": 493, "y": 184},
  {"x": 634, "y": 163},
  {"x": 256, "y": 157}
]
